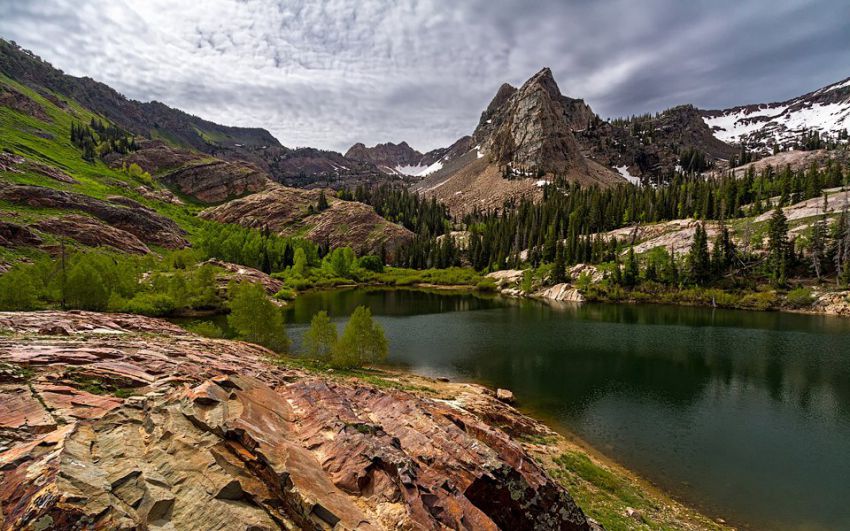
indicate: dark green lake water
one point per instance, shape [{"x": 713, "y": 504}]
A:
[{"x": 745, "y": 415}]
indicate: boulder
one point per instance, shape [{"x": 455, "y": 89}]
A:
[
  {"x": 504, "y": 395},
  {"x": 561, "y": 293}
]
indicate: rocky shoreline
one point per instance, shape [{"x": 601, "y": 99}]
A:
[
  {"x": 823, "y": 301},
  {"x": 117, "y": 421}
]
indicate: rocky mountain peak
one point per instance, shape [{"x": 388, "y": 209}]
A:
[{"x": 530, "y": 128}]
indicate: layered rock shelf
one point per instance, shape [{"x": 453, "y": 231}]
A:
[{"x": 119, "y": 422}]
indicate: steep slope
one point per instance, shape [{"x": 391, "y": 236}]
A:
[
  {"x": 158, "y": 121},
  {"x": 525, "y": 138},
  {"x": 287, "y": 211},
  {"x": 760, "y": 127}
]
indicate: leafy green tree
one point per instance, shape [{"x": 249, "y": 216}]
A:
[
  {"x": 17, "y": 290},
  {"x": 778, "y": 248},
  {"x": 255, "y": 318},
  {"x": 299, "y": 266},
  {"x": 818, "y": 246},
  {"x": 85, "y": 288},
  {"x": 371, "y": 263},
  {"x": 362, "y": 341},
  {"x": 340, "y": 261},
  {"x": 320, "y": 339}
]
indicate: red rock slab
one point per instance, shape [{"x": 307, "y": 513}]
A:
[
  {"x": 19, "y": 409},
  {"x": 74, "y": 403}
]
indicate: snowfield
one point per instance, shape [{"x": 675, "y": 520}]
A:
[{"x": 784, "y": 123}]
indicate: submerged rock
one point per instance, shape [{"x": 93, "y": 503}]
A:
[{"x": 211, "y": 435}]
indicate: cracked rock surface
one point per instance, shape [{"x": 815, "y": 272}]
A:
[{"x": 127, "y": 422}]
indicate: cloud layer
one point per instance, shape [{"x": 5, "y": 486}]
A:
[{"x": 331, "y": 73}]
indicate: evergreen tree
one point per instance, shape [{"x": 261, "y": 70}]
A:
[
  {"x": 723, "y": 251},
  {"x": 699, "y": 264},
  {"x": 631, "y": 273},
  {"x": 320, "y": 339},
  {"x": 778, "y": 249},
  {"x": 323, "y": 202},
  {"x": 559, "y": 273}
]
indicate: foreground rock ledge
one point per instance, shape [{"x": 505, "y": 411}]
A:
[{"x": 125, "y": 422}]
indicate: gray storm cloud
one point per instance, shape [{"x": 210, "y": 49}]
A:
[{"x": 328, "y": 74}]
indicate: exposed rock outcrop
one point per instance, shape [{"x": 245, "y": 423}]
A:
[
  {"x": 207, "y": 434},
  {"x": 216, "y": 181},
  {"x": 530, "y": 129},
  {"x": 91, "y": 232},
  {"x": 207, "y": 179},
  {"x": 20, "y": 102},
  {"x": 14, "y": 235},
  {"x": 17, "y": 163},
  {"x": 241, "y": 273},
  {"x": 560, "y": 293},
  {"x": 145, "y": 224},
  {"x": 285, "y": 211}
]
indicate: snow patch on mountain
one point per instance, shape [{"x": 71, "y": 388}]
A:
[
  {"x": 760, "y": 127},
  {"x": 411, "y": 170},
  {"x": 624, "y": 171}
]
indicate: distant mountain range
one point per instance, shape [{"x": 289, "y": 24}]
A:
[{"x": 525, "y": 137}]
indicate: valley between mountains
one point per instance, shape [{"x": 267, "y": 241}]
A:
[{"x": 119, "y": 218}]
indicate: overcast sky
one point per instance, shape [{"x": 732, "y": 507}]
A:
[{"x": 328, "y": 74}]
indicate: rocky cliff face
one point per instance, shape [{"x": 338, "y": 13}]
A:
[
  {"x": 116, "y": 421},
  {"x": 530, "y": 129}
]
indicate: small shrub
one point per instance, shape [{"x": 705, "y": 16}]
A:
[
  {"x": 206, "y": 329},
  {"x": 285, "y": 294},
  {"x": 486, "y": 285},
  {"x": 800, "y": 297},
  {"x": 146, "y": 303},
  {"x": 763, "y": 300}
]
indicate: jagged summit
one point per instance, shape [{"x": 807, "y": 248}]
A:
[{"x": 530, "y": 129}]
